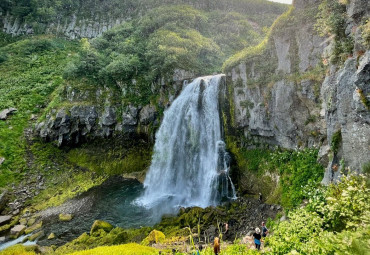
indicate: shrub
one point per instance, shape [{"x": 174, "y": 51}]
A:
[
  {"x": 336, "y": 221},
  {"x": 3, "y": 57},
  {"x": 336, "y": 141}
]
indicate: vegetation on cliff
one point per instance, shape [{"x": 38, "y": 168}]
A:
[
  {"x": 166, "y": 38},
  {"x": 39, "y": 13}
]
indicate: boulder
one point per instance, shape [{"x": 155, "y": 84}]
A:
[
  {"x": 99, "y": 224},
  {"x": 147, "y": 115},
  {"x": 4, "y": 113},
  {"x": 46, "y": 250},
  {"x": 5, "y": 219},
  {"x": 129, "y": 117},
  {"x": 33, "y": 227},
  {"x": 323, "y": 157},
  {"x": 36, "y": 236},
  {"x": 17, "y": 230},
  {"x": 23, "y": 221},
  {"x": 65, "y": 217},
  {"x": 109, "y": 117}
]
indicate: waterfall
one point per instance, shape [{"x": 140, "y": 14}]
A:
[{"x": 190, "y": 166}]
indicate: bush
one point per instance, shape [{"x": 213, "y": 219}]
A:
[
  {"x": 3, "y": 57},
  {"x": 336, "y": 221}
]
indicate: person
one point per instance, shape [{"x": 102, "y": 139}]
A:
[
  {"x": 257, "y": 238},
  {"x": 216, "y": 246},
  {"x": 265, "y": 231},
  {"x": 226, "y": 227},
  {"x": 260, "y": 197},
  {"x": 200, "y": 248}
]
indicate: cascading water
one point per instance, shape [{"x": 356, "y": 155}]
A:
[{"x": 190, "y": 166}]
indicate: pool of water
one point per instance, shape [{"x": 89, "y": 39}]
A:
[{"x": 113, "y": 202}]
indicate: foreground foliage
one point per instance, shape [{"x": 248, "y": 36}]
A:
[
  {"x": 335, "y": 221},
  {"x": 298, "y": 170},
  {"x": 128, "y": 249}
]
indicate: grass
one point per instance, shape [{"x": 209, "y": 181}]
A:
[
  {"x": 124, "y": 249},
  {"x": 19, "y": 250},
  {"x": 29, "y": 75}
]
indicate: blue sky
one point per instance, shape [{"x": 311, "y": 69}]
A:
[{"x": 282, "y": 1}]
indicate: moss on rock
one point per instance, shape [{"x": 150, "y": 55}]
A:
[
  {"x": 51, "y": 236},
  {"x": 33, "y": 227},
  {"x": 99, "y": 224},
  {"x": 154, "y": 237},
  {"x": 65, "y": 217}
]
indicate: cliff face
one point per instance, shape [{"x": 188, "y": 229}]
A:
[
  {"x": 306, "y": 102},
  {"x": 90, "y": 18},
  {"x": 273, "y": 102},
  {"x": 72, "y": 27},
  {"x": 81, "y": 112}
]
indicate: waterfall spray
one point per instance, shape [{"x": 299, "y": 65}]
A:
[{"x": 190, "y": 166}]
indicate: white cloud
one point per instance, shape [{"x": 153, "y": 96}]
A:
[{"x": 283, "y": 1}]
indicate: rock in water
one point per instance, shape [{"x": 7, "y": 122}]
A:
[
  {"x": 4, "y": 113},
  {"x": 51, "y": 236},
  {"x": 17, "y": 230},
  {"x": 65, "y": 217}
]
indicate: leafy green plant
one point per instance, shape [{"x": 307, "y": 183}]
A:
[
  {"x": 335, "y": 221},
  {"x": 336, "y": 141}
]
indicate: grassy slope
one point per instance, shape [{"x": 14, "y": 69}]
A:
[
  {"x": 31, "y": 72},
  {"x": 27, "y": 78}
]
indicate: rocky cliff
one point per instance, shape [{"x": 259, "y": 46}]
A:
[
  {"x": 83, "y": 112},
  {"x": 89, "y": 19},
  {"x": 284, "y": 93}
]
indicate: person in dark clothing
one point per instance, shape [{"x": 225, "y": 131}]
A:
[
  {"x": 265, "y": 231},
  {"x": 260, "y": 197},
  {"x": 257, "y": 238}
]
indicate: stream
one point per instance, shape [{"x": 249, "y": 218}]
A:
[{"x": 114, "y": 202}]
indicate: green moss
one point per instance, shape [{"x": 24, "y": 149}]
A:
[
  {"x": 336, "y": 141},
  {"x": 6, "y": 227},
  {"x": 36, "y": 236},
  {"x": 99, "y": 224},
  {"x": 120, "y": 249},
  {"x": 65, "y": 217},
  {"x": 363, "y": 99},
  {"x": 51, "y": 236},
  {"x": 154, "y": 237},
  {"x": 33, "y": 227},
  {"x": 20, "y": 250},
  {"x": 256, "y": 167},
  {"x": 112, "y": 160}
]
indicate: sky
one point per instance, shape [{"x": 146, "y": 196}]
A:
[{"x": 282, "y": 1}]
